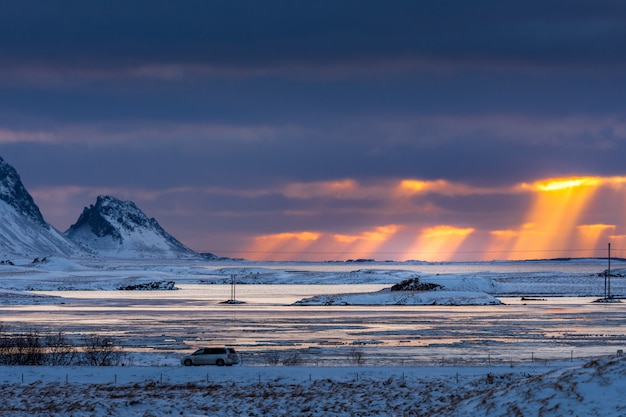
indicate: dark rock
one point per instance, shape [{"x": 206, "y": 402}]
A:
[
  {"x": 414, "y": 284},
  {"x": 150, "y": 286}
]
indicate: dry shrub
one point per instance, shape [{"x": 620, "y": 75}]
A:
[
  {"x": 101, "y": 351},
  {"x": 272, "y": 357},
  {"x": 292, "y": 359},
  {"x": 356, "y": 355}
]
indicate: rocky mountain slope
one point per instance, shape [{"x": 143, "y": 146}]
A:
[
  {"x": 23, "y": 230},
  {"x": 118, "y": 229},
  {"x": 110, "y": 228}
]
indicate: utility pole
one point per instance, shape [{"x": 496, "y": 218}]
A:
[
  {"x": 609, "y": 272},
  {"x": 232, "y": 288}
]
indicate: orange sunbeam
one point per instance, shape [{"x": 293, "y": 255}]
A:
[
  {"x": 367, "y": 243},
  {"x": 438, "y": 243},
  {"x": 501, "y": 244},
  {"x": 281, "y": 246},
  {"x": 618, "y": 243},
  {"x": 554, "y": 214},
  {"x": 589, "y": 235}
]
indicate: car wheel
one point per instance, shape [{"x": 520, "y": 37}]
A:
[
  {"x": 188, "y": 362},
  {"x": 219, "y": 362}
]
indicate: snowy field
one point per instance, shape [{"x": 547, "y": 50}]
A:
[
  {"x": 543, "y": 347},
  {"x": 592, "y": 388}
]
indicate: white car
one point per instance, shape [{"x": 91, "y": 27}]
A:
[{"x": 212, "y": 356}]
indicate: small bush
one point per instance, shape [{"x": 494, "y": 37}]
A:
[
  {"x": 100, "y": 351},
  {"x": 292, "y": 359},
  {"x": 59, "y": 350},
  {"x": 356, "y": 356},
  {"x": 55, "y": 349},
  {"x": 21, "y": 349},
  {"x": 272, "y": 357}
]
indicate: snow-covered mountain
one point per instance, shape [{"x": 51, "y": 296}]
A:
[
  {"x": 23, "y": 230},
  {"x": 118, "y": 229}
]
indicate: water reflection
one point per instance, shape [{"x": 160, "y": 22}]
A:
[{"x": 194, "y": 315}]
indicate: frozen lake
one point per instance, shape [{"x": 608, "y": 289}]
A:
[
  {"x": 546, "y": 327},
  {"x": 194, "y": 316}
]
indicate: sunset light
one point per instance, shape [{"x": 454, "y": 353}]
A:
[
  {"x": 411, "y": 187},
  {"x": 561, "y": 184},
  {"x": 551, "y": 226},
  {"x": 589, "y": 235},
  {"x": 556, "y": 217},
  {"x": 380, "y": 234},
  {"x": 281, "y": 245},
  {"x": 554, "y": 214},
  {"x": 343, "y": 140},
  {"x": 367, "y": 243},
  {"x": 320, "y": 246},
  {"x": 438, "y": 243}
]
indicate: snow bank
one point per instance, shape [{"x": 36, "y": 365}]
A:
[
  {"x": 47, "y": 263},
  {"x": 594, "y": 389},
  {"x": 590, "y": 389},
  {"x": 387, "y": 297}
]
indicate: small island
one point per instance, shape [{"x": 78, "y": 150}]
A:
[{"x": 411, "y": 292}]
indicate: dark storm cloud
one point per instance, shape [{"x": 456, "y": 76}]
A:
[
  {"x": 113, "y": 34},
  {"x": 204, "y": 112},
  {"x": 465, "y": 149},
  {"x": 272, "y": 100}
]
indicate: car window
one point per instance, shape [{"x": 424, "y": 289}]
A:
[{"x": 214, "y": 351}]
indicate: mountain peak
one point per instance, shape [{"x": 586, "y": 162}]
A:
[
  {"x": 23, "y": 230},
  {"x": 109, "y": 212},
  {"x": 116, "y": 228},
  {"x": 13, "y": 193}
]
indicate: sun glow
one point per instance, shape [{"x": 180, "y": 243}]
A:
[
  {"x": 438, "y": 243},
  {"x": 291, "y": 246},
  {"x": 590, "y": 234},
  {"x": 561, "y": 184},
  {"x": 411, "y": 187},
  {"x": 552, "y": 219},
  {"x": 280, "y": 246},
  {"x": 554, "y": 223},
  {"x": 505, "y": 234},
  {"x": 366, "y": 244}
]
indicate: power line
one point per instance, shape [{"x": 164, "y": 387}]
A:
[{"x": 305, "y": 252}]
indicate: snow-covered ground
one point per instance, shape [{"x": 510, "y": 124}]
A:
[
  {"x": 592, "y": 388},
  {"x": 567, "y": 278},
  {"x": 152, "y": 382},
  {"x": 387, "y": 297}
]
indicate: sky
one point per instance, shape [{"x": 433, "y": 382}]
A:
[{"x": 439, "y": 130}]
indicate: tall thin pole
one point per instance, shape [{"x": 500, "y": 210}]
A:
[
  {"x": 609, "y": 270},
  {"x": 605, "y": 278},
  {"x": 232, "y": 287}
]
